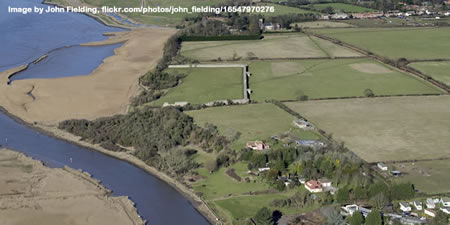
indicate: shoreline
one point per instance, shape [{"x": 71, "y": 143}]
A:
[{"x": 197, "y": 203}]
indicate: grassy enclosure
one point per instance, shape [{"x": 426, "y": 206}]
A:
[
  {"x": 254, "y": 122},
  {"x": 427, "y": 176},
  {"x": 289, "y": 80},
  {"x": 438, "y": 70},
  {"x": 272, "y": 46},
  {"x": 203, "y": 85},
  {"x": 385, "y": 129},
  {"x": 342, "y": 7},
  {"x": 395, "y": 43}
]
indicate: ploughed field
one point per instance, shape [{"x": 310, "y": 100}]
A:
[
  {"x": 271, "y": 46},
  {"x": 289, "y": 80},
  {"x": 395, "y": 43},
  {"x": 385, "y": 129},
  {"x": 203, "y": 85},
  {"x": 253, "y": 122},
  {"x": 438, "y": 70}
]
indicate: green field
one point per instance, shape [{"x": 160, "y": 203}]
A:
[
  {"x": 342, "y": 7},
  {"x": 272, "y": 46},
  {"x": 428, "y": 176},
  {"x": 288, "y": 80},
  {"x": 203, "y": 85},
  {"x": 254, "y": 122},
  {"x": 322, "y": 24},
  {"x": 394, "y": 43},
  {"x": 283, "y": 10},
  {"x": 438, "y": 70},
  {"x": 385, "y": 129}
]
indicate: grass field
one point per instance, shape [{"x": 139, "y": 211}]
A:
[
  {"x": 254, "y": 121},
  {"x": 203, "y": 85},
  {"x": 272, "y": 46},
  {"x": 283, "y": 10},
  {"x": 288, "y": 80},
  {"x": 394, "y": 43},
  {"x": 438, "y": 70},
  {"x": 428, "y": 176},
  {"x": 322, "y": 24},
  {"x": 342, "y": 7},
  {"x": 385, "y": 129}
]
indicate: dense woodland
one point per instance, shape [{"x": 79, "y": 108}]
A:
[{"x": 155, "y": 134}]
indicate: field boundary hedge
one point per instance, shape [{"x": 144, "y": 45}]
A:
[{"x": 221, "y": 38}]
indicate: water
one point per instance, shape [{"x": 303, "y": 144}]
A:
[
  {"x": 155, "y": 200},
  {"x": 24, "y": 38},
  {"x": 68, "y": 61}
]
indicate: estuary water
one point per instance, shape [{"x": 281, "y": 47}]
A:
[{"x": 23, "y": 39}]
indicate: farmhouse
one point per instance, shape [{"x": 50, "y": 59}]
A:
[
  {"x": 382, "y": 166},
  {"x": 257, "y": 145},
  {"x": 404, "y": 206},
  {"x": 418, "y": 205},
  {"x": 313, "y": 186},
  {"x": 445, "y": 201},
  {"x": 430, "y": 212},
  {"x": 302, "y": 124},
  {"x": 339, "y": 16},
  {"x": 430, "y": 203},
  {"x": 324, "y": 182}
]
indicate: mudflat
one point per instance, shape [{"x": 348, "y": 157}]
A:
[
  {"x": 104, "y": 92},
  {"x": 31, "y": 193}
]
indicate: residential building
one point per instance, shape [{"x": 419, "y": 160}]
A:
[
  {"x": 382, "y": 166},
  {"x": 404, "y": 206},
  {"x": 418, "y": 205},
  {"x": 348, "y": 210},
  {"x": 430, "y": 212},
  {"x": 257, "y": 145},
  {"x": 324, "y": 182},
  {"x": 430, "y": 203},
  {"x": 445, "y": 201},
  {"x": 313, "y": 186}
]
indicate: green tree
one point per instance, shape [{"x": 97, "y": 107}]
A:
[
  {"x": 356, "y": 219},
  {"x": 264, "y": 217},
  {"x": 379, "y": 200},
  {"x": 441, "y": 218},
  {"x": 369, "y": 93},
  {"x": 343, "y": 195},
  {"x": 403, "y": 191},
  {"x": 374, "y": 218}
]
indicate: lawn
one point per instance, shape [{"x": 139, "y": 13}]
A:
[
  {"x": 283, "y": 10},
  {"x": 438, "y": 70},
  {"x": 322, "y": 24},
  {"x": 395, "y": 43},
  {"x": 342, "y": 7},
  {"x": 288, "y": 80},
  {"x": 385, "y": 129},
  {"x": 203, "y": 85},
  {"x": 428, "y": 176},
  {"x": 272, "y": 46},
  {"x": 254, "y": 122}
]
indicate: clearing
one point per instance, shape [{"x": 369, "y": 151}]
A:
[
  {"x": 289, "y": 80},
  {"x": 438, "y": 70},
  {"x": 203, "y": 85},
  {"x": 395, "y": 43},
  {"x": 385, "y": 129},
  {"x": 253, "y": 121},
  {"x": 272, "y": 46}
]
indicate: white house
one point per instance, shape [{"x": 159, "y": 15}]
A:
[
  {"x": 445, "y": 201},
  {"x": 430, "y": 203},
  {"x": 382, "y": 166},
  {"x": 446, "y": 210},
  {"x": 348, "y": 210},
  {"x": 324, "y": 182},
  {"x": 430, "y": 212},
  {"x": 404, "y": 206},
  {"x": 418, "y": 205}
]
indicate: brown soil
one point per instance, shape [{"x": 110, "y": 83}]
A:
[{"x": 104, "y": 92}]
